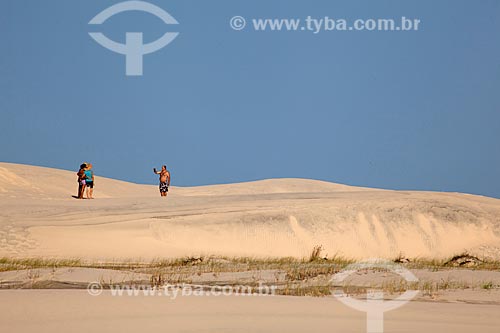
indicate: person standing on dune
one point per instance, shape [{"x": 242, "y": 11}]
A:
[
  {"x": 81, "y": 180},
  {"x": 164, "y": 180},
  {"x": 89, "y": 181}
]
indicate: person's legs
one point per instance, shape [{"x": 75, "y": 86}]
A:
[
  {"x": 82, "y": 191},
  {"x": 90, "y": 189}
]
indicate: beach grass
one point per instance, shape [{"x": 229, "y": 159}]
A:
[{"x": 308, "y": 276}]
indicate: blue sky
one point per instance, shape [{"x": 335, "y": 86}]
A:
[{"x": 400, "y": 110}]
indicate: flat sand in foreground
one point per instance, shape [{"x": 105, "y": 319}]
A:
[{"x": 75, "y": 311}]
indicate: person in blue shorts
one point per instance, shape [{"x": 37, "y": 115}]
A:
[{"x": 89, "y": 181}]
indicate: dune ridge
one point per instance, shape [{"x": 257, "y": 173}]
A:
[{"x": 268, "y": 218}]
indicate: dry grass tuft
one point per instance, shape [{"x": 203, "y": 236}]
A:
[{"x": 316, "y": 253}]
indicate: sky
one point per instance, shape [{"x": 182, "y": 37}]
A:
[{"x": 414, "y": 110}]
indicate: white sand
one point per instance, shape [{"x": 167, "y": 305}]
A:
[
  {"x": 75, "y": 311},
  {"x": 279, "y": 217}
]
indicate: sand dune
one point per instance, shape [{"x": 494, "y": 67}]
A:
[
  {"x": 25, "y": 181},
  {"x": 277, "y": 217}
]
